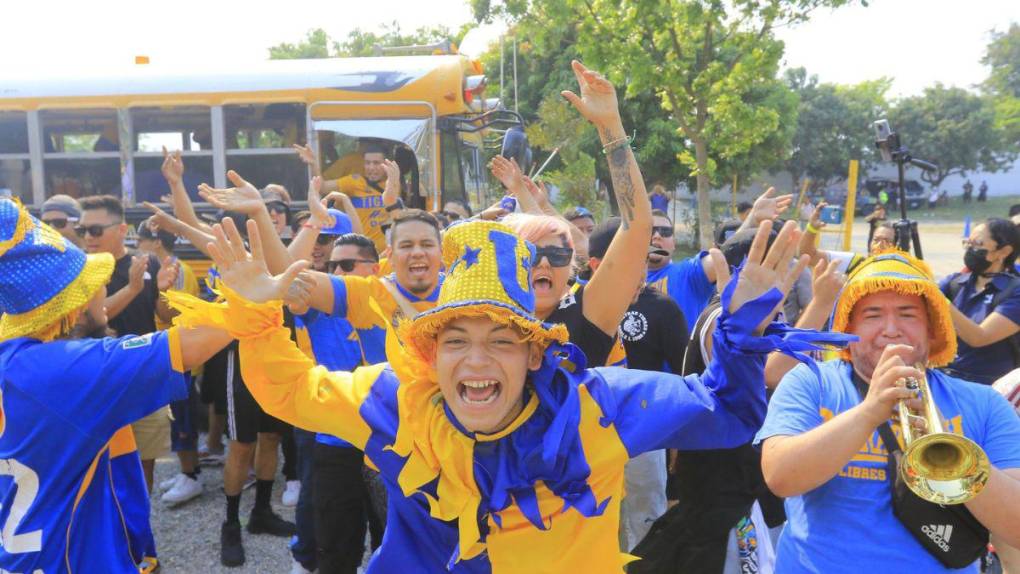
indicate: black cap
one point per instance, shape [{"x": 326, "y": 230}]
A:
[
  {"x": 736, "y": 248},
  {"x": 725, "y": 230},
  {"x": 165, "y": 237},
  {"x": 602, "y": 236}
]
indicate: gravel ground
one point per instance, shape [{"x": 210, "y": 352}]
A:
[{"x": 188, "y": 536}]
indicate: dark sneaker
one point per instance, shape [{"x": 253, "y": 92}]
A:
[
  {"x": 231, "y": 549},
  {"x": 268, "y": 522}
]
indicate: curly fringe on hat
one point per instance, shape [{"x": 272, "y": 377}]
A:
[{"x": 904, "y": 274}]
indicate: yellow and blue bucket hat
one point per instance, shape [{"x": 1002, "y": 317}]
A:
[
  {"x": 43, "y": 277},
  {"x": 900, "y": 272},
  {"x": 488, "y": 275}
]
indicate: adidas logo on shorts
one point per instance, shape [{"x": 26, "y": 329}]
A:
[{"x": 940, "y": 534}]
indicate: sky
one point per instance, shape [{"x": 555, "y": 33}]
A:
[{"x": 915, "y": 42}]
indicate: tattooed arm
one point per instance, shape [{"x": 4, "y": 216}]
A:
[{"x": 623, "y": 269}]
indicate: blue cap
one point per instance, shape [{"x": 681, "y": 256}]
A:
[{"x": 341, "y": 223}]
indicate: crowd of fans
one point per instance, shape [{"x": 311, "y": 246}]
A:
[{"x": 626, "y": 300}]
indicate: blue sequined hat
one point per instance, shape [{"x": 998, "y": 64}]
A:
[{"x": 43, "y": 277}]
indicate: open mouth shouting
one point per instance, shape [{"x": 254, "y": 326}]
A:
[
  {"x": 542, "y": 282},
  {"x": 418, "y": 271},
  {"x": 478, "y": 393}
]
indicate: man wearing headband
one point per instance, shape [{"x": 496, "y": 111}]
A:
[
  {"x": 499, "y": 449},
  {"x": 63, "y": 400},
  {"x": 821, "y": 448}
]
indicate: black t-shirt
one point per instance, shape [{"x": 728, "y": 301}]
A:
[
  {"x": 139, "y": 317},
  {"x": 593, "y": 341},
  {"x": 654, "y": 333}
]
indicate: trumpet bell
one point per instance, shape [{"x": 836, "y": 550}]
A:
[{"x": 945, "y": 468}]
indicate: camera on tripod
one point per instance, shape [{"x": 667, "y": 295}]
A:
[{"x": 892, "y": 150}]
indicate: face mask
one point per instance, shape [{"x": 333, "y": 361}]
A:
[{"x": 976, "y": 260}]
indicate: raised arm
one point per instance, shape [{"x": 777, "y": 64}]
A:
[
  {"x": 173, "y": 172},
  {"x": 809, "y": 241},
  {"x": 285, "y": 382},
  {"x": 308, "y": 157},
  {"x": 624, "y": 266},
  {"x": 509, "y": 174},
  {"x": 825, "y": 287},
  {"x": 245, "y": 199},
  {"x": 163, "y": 220}
]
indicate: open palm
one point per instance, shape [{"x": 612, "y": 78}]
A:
[
  {"x": 242, "y": 198},
  {"x": 763, "y": 272},
  {"x": 246, "y": 273},
  {"x": 597, "y": 102}
]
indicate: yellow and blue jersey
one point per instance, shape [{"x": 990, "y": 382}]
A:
[
  {"x": 373, "y": 311},
  {"x": 63, "y": 505},
  {"x": 543, "y": 494},
  {"x": 368, "y": 202},
  {"x": 686, "y": 283}
]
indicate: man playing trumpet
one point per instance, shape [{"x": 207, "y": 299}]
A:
[{"x": 821, "y": 449}]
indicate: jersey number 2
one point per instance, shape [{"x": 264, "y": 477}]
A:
[{"x": 26, "y": 483}]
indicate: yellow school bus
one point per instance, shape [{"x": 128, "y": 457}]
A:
[{"x": 87, "y": 134}]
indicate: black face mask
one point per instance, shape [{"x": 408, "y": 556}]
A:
[{"x": 976, "y": 260}]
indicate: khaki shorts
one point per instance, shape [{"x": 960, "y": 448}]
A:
[{"x": 152, "y": 434}]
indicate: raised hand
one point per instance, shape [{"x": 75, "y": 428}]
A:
[
  {"x": 816, "y": 216},
  {"x": 597, "y": 102},
  {"x": 242, "y": 198},
  {"x": 769, "y": 206},
  {"x": 762, "y": 272},
  {"x": 173, "y": 167},
  {"x": 168, "y": 271},
  {"x": 538, "y": 190},
  {"x": 392, "y": 192},
  {"x": 508, "y": 173},
  {"x": 307, "y": 156},
  {"x": 826, "y": 282},
  {"x": 162, "y": 220},
  {"x": 136, "y": 273},
  {"x": 317, "y": 207},
  {"x": 246, "y": 273}
]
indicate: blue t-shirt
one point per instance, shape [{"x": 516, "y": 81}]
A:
[
  {"x": 686, "y": 283},
  {"x": 988, "y": 363},
  {"x": 337, "y": 346},
  {"x": 847, "y": 524},
  {"x": 60, "y": 405}
]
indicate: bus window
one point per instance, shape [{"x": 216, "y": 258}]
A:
[
  {"x": 264, "y": 126},
  {"x": 452, "y": 175},
  {"x": 259, "y": 139},
  {"x": 13, "y": 133},
  {"x": 81, "y": 152},
  {"x": 185, "y": 128},
  {"x": 16, "y": 176}
]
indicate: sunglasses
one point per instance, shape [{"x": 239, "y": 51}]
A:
[
  {"x": 95, "y": 230},
  {"x": 325, "y": 239},
  {"x": 557, "y": 256},
  {"x": 59, "y": 223},
  {"x": 450, "y": 215},
  {"x": 663, "y": 230},
  {"x": 347, "y": 265},
  {"x": 277, "y": 208}
]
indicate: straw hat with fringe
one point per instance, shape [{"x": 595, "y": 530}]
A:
[
  {"x": 43, "y": 277},
  {"x": 901, "y": 272},
  {"x": 488, "y": 275}
]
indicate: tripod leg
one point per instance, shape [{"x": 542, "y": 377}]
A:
[{"x": 916, "y": 239}]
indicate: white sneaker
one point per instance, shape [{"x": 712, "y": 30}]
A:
[
  {"x": 185, "y": 489},
  {"x": 170, "y": 482},
  {"x": 291, "y": 493},
  {"x": 297, "y": 568}
]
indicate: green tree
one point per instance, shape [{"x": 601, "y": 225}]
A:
[
  {"x": 358, "y": 43},
  {"x": 559, "y": 129},
  {"x": 833, "y": 127},
  {"x": 953, "y": 128},
  {"x": 1003, "y": 83},
  {"x": 703, "y": 60}
]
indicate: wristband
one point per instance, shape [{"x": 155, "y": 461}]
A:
[
  {"x": 399, "y": 204},
  {"x": 812, "y": 229}
]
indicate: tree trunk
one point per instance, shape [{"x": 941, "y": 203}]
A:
[{"x": 704, "y": 201}]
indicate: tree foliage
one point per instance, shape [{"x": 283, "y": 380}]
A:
[
  {"x": 711, "y": 64},
  {"x": 954, "y": 128},
  {"x": 1003, "y": 83},
  {"x": 359, "y": 43},
  {"x": 833, "y": 127}
]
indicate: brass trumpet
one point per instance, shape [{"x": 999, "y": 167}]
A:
[{"x": 939, "y": 466}]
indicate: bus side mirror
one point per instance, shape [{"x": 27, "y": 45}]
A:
[{"x": 515, "y": 146}]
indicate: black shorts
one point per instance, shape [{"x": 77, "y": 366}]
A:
[
  {"x": 245, "y": 418},
  {"x": 213, "y": 387}
]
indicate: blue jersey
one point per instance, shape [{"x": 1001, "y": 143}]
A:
[
  {"x": 686, "y": 283},
  {"x": 61, "y": 509}
]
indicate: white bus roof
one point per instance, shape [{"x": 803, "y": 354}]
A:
[{"x": 372, "y": 75}]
